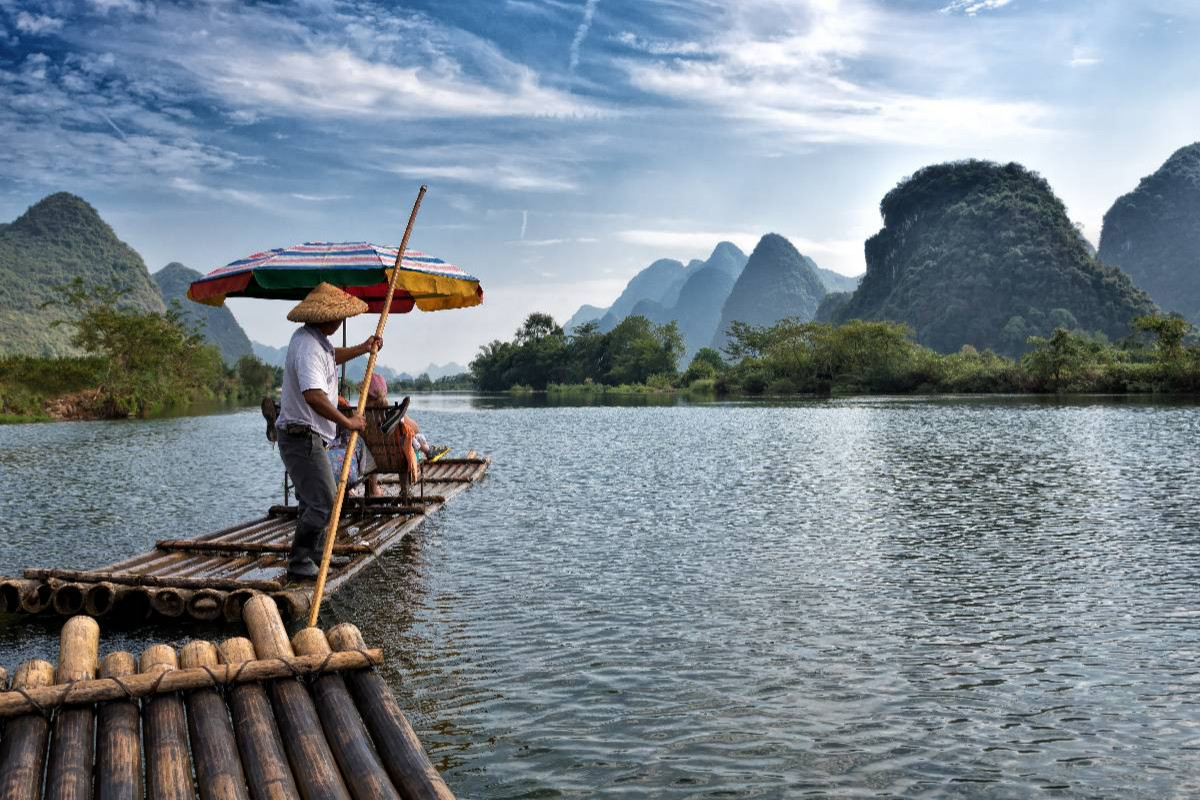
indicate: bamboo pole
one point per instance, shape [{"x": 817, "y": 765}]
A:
[
  {"x": 168, "y": 765},
  {"x": 263, "y": 756},
  {"x": 344, "y": 480},
  {"x": 308, "y": 752},
  {"x": 365, "y": 776},
  {"x": 219, "y": 774},
  {"x": 411, "y": 770},
  {"x": 138, "y": 579},
  {"x": 191, "y": 545},
  {"x": 119, "y": 738},
  {"x": 69, "y": 776},
  {"x": 23, "y": 749},
  {"x": 49, "y": 696}
]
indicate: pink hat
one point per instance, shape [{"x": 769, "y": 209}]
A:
[{"x": 378, "y": 385}]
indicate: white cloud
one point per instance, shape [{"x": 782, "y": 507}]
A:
[
  {"x": 319, "y": 198},
  {"x": 1083, "y": 57},
  {"x": 552, "y": 242},
  {"x": 536, "y": 169},
  {"x": 190, "y": 186},
  {"x": 973, "y": 7},
  {"x": 589, "y": 11},
  {"x": 689, "y": 241},
  {"x": 38, "y": 24},
  {"x": 804, "y": 75}
]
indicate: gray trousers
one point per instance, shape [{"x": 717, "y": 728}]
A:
[{"x": 305, "y": 460}]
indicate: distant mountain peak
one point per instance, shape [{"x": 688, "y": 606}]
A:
[
  {"x": 983, "y": 254},
  {"x": 61, "y": 211},
  {"x": 776, "y": 283},
  {"x": 1153, "y": 233}
]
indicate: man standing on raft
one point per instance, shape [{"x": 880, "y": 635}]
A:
[{"x": 309, "y": 416}]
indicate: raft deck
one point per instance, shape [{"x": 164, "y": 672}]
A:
[
  {"x": 211, "y": 577},
  {"x": 269, "y": 718}
]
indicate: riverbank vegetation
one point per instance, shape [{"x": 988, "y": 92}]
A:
[
  {"x": 857, "y": 357},
  {"x": 132, "y": 363}
]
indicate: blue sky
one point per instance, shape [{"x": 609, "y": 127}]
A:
[{"x": 567, "y": 143}]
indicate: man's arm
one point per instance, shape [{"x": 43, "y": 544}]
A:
[
  {"x": 319, "y": 402},
  {"x": 344, "y": 354}
]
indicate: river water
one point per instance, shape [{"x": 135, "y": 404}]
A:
[{"x": 972, "y": 597}]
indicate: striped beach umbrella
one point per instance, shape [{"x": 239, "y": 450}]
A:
[{"x": 360, "y": 268}]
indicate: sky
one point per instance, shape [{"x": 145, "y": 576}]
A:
[{"x": 566, "y": 143}]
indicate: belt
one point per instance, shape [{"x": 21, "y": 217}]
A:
[{"x": 302, "y": 429}]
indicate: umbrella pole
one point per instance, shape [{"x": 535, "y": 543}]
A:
[
  {"x": 344, "y": 479},
  {"x": 342, "y": 386}
]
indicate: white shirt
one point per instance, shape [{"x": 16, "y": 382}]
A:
[{"x": 309, "y": 365}]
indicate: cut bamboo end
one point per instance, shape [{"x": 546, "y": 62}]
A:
[
  {"x": 198, "y": 654},
  {"x": 206, "y": 604},
  {"x": 13, "y": 592},
  {"x": 266, "y": 628},
  {"x": 118, "y": 665},
  {"x": 79, "y": 650},
  {"x": 3, "y": 679},
  {"x": 158, "y": 658},
  {"x": 293, "y": 605},
  {"x": 346, "y": 636},
  {"x": 236, "y": 650},
  {"x": 67, "y": 599},
  {"x": 235, "y": 601},
  {"x": 100, "y": 599},
  {"x": 170, "y": 602},
  {"x": 34, "y": 674}
]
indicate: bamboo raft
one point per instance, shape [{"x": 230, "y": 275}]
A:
[
  {"x": 268, "y": 718},
  {"x": 211, "y": 577}
]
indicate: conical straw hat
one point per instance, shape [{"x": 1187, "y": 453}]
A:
[{"x": 326, "y": 303}]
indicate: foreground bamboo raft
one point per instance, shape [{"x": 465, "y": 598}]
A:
[
  {"x": 268, "y": 718},
  {"x": 211, "y": 577}
]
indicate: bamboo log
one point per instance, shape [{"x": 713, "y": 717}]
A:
[
  {"x": 3, "y": 679},
  {"x": 11, "y": 590},
  {"x": 170, "y": 602},
  {"x": 23, "y": 750},
  {"x": 14, "y": 704},
  {"x": 118, "y": 739},
  {"x": 132, "y": 604},
  {"x": 263, "y": 756},
  {"x": 293, "y": 604},
  {"x": 365, "y": 776},
  {"x": 219, "y": 774},
  {"x": 308, "y": 752},
  {"x": 67, "y": 599},
  {"x": 99, "y": 599},
  {"x": 132, "y": 579},
  {"x": 70, "y": 772},
  {"x": 411, "y": 770},
  {"x": 374, "y": 509},
  {"x": 206, "y": 604},
  {"x": 234, "y": 602},
  {"x": 36, "y": 596},
  {"x": 164, "y": 730},
  {"x": 191, "y": 545}
]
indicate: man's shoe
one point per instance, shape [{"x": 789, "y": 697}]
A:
[{"x": 302, "y": 568}]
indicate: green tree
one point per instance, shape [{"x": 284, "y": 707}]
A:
[{"x": 1060, "y": 359}]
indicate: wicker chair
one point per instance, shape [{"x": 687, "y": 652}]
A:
[{"x": 388, "y": 452}]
